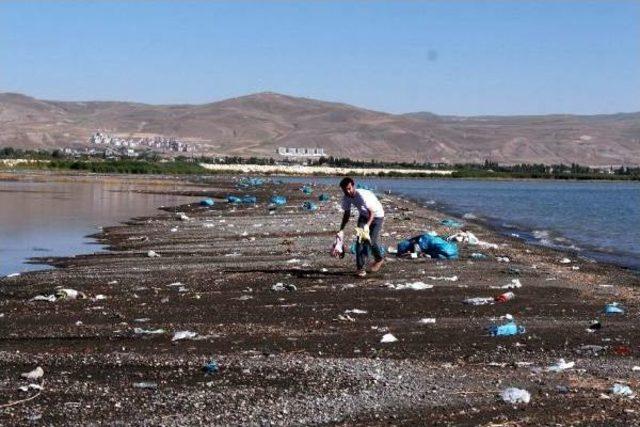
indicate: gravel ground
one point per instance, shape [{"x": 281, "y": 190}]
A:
[{"x": 296, "y": 357}]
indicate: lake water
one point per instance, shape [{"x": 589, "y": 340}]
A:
[
  {"x": 598, "y": 219},
  {"x": 52, "y": 219}
]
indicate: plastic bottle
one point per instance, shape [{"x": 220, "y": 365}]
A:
[{"x": 507, "y": 296}]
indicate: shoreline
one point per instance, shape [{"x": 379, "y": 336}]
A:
[{"x": 288, "y": 357}]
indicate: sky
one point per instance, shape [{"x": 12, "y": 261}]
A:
[{"x": 453, "y": 57}]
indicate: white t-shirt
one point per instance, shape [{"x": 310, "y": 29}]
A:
[{"x": 363, "y": 201}]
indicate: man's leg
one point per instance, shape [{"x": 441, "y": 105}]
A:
[
  {"x": 374, "y": 232},
  {"x": 361, "y": 248}
]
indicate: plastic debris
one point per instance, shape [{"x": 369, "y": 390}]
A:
[
  {"x": 515, "y": 395},
  {"x": 507, "y": 296},
  {"x": 140, "y": 331},
  {"x": 416, "y": 286},
  {"x": 280, "y": 287},
  {"x": 70, "y": 294},
  {"x": 146, "y": 385},
  {"x": 338, "y": 248},
  {"x": 427, "y": 321},
  {"x": 278, "y": 200},
  {"x": 153, "y": 254},
  {"x": 503, "y": 259},
  {"x": 561, "y": 365},
  {"x": 613, "y": 308},
  {"x": 622, "y": 390},
  {"x": 47, "y": 298},
  {"x": 211, "y": 367},
  {"x": 12, "y": 275},
  {"x": 479, "y": 301},
  {"x": 30, "y": 387},
  {"x": 207, "y": 202},
  {"x": 445, "y": 278},
  {"x": 309, "y": 206},
  {"x": 184, "y": 335},
  {"x": 182, "y": 216},
  {"x": 234, "y": 199},
  {"x": 464, "y": 237},
  {"x": 451, "y": 223},
  {"x": 622, "y": 350},
  {"x": 306, "y": 189},
  {"x": 594, "y": 326},
  {"x": 34, "y": 375},
  {"x": 565, "y": 261},
  {"x": 324, "y": 197},
  {"x": 508, "y": 329},
  {"x": 388, "y": 338},
  {"x": 356, "y": 311},
  {"x": 478, "y": 255},
  {"x": 249, "y": 200}
]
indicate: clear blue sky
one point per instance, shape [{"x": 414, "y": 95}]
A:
[{"x": 467, "y": 58}]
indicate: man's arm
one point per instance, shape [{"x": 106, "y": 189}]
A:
[
  {"x": 345, "y": 219},
  {"x": 371, "y": 218}
]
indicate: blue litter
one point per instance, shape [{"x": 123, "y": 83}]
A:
[
  {"x": 211, "y": 368},
  {"x": 324, "y": 197},
  {"x": 437, "y": 247},
  {"x": 278, "y": 200},
  {"x": 452, "y": 223},
  {"x": 309, "y": 206},
  {"x": 613, "y": 308},
  {"x": 207, "y": 202},
  {"x": 306, "y": 189},
  {"x": 249, "y": 199},
  {"x": 234, "y": 199},
  {"x": 250, "y": 182},
  {"x": 508, "y": 329}
]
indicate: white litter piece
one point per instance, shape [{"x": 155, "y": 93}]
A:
[
  {"x": 515, "y": 283},
  {"x": 47, "y": 298},
  {"x": 99, "y": 297},
  {"x": 293, "y": 261},
  {"x": 575, "y": 267},
  {"x": 356, "y": 311},
  {"x": 30, "y": 387},
  {"x": 208, "y": 225},
  {"x": 184, "y": 335},
  {"x": 182, "y": 216},
  {"x": 174, "y": 229},
  {"x": 388, "y": 338},
  {"x": 636, "y": 368},
  {"x": 346, "y": 318},
  {"x": 175, "y": 285},
  {"x": 392, "y": 250},
  {"x": 79, "y": 323},
  {"x": 415, "y": 286},
  {"x": 515, "y": 395},
  {"x": 448, "y": 279},
  {"x": 280, "y": 287},
  {"x": 560, "y": 366},
  {"x": 142, "y": 320},
  {"x": 427, "y": 321},
  {"x": 34, "y": 375},
  {"x": 140, "y": 331},
  {"x": 413, "y": 255},
  {"x": 12, "y": 275},
  {"x": 113, "y": 282},
  {"x": 67, "y": 293},
  {"x": 565, "y": 261},
  {"x": 479, "y": 301},
  {"x": 622, "y": 390},
  {"x": 153, "y": 254},
  {"x": 503, "y": 259},
  {"x": 465, "y": 237}
]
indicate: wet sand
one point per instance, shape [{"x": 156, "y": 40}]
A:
[{"x": 296, "y": 357}]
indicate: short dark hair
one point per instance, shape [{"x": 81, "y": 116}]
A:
[{"x": 346, "y": 181}]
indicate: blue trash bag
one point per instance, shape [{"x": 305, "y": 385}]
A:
[
  {"x": 247, "y": 200},
  {"x": 452, "y": 223},
  {"x": 250, "y": 182},
  {"x": 405, "y": 246},
  {"x": 309, "y": 206},
  {"x": 207, "y": 202},
  {"x": 306, "y": 189},
  {"x": 508, "y": 329},
  {"x": 324, "y": 197},
  {"x": 613, "y": 308},
  {"x": 278, "y": 200},
  {"x": 437, "y": 247},
  {"x": 234, "y": 199}
]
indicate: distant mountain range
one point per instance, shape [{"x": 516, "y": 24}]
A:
[{"x": 256, "y": 125}]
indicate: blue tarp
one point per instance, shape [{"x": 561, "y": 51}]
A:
[{"x": 434, "y": 246}]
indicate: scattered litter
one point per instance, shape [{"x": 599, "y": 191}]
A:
[
  {"x": 30, "y": 387},
  {"x": 448, "y": 279},
  {"x": 207, "y": 202},
  {"x": 47, "y": 298},
  {"x": 293, "y": 261},
  {"x": 594, "y": 326},
  {"x": 416, "y": 286},
  {"x": 635, "y": 368},
  {"x": 182, "y": 216},
  {"x": 613, "y": 308},
  {"x": 508, "y": 329},
  {"x": 175, "y": 285},
  {"x": 183, "y": 335},
  {"x": 324, "y": 197},
  {"x": 356, "y": 311},
  {"x": 280, "y": 287},
  {"x": 561, "y": 365},
  {"x": 142, "y": 320},
  {"x": 211, "y": 367},
  {"x": 451, "y": 223},
  {"x": 153, "y": 254},
  {"x": 34, "y": 375},
  {"x": 306, "y": 189},
  {"x": 70, "y": 294},
  {"x": 514, "y": 284},
  {"x": 278, "y": 200},
  {"x": 99, "y": 297},
  {"x": 464, "y": 237},
  {"x": 427, "y": 321},
  {"x": 622, "y": 390},
  {"x": 565, "y": 261},
  {"x": 140, "y": 331},
  {"x": 478, "y": 255},
  {"x": 345, "y": 318},
  {"x": 503, "y": 259},
  {"x": 507, "y": 296},
  {"x": 388, "y": 338},
  {"x": 479, "y": 301},
  {"x": 146, "y": 385},
  {"x": 515, "y": 395}
]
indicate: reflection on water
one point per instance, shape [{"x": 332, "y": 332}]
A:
[{"x": 51, "y": 219}]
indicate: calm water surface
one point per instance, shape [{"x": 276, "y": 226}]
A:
[
  {"x": 52, "y": 219},
  {"x": 597, "y": 219}
]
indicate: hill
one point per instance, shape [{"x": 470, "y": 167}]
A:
[{"x": 255, "y": 125}]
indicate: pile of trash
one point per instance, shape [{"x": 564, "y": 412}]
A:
[
  {"x": 247, "y": 182},
  {"x": 246, "y": 200},
  {"x": 278, "y": 200},
  {"x": 63, "y": 294},
  {"x": 428, "y": 244}
]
